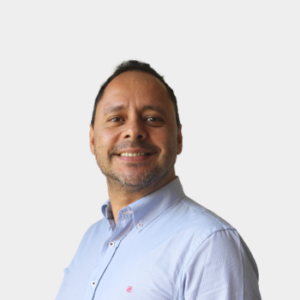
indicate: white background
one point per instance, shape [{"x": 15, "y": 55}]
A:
[{"x": 235, "y": 69}]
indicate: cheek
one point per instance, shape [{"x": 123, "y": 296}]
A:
[
  {"x": 166, "y": 140},
  {"x": 107, "y": 138}
]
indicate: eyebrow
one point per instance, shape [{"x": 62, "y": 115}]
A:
[
  {"x": 113, "y": 109},
  {"x": 155, "y": 108}
]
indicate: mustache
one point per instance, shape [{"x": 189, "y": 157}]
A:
[{"x": 134, "y": 144}]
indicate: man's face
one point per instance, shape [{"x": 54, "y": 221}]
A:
[{"x": 135, "y": 137}]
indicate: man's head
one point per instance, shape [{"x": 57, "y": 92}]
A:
[
  {"x": 134, "y": 65},
  {"x": 135, "y": 131}
]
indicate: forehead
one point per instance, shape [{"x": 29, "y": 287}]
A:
[{"x": 135, "y": 88}]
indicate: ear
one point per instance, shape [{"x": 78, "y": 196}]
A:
[
  {"x": 92, "y": 144},
  {"x": 179, "y": 140}
]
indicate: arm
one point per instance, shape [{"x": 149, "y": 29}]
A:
[{"x": 222, "y": 268}]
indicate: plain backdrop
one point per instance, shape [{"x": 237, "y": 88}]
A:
[{"x": 235, "y": 69}]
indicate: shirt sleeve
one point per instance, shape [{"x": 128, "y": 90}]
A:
[{"x": 222, "y": 268}]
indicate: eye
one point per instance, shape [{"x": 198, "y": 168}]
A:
[
  {"x": 115, "y": 119},
  {"x": 153, "y": 119}
]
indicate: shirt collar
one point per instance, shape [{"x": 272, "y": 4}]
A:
[{"x": 151, "y": 206}]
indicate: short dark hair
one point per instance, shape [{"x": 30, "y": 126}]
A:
[{"x": 134, "y": 65}]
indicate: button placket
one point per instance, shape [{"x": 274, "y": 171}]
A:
[{"x": 122, "y": 227}]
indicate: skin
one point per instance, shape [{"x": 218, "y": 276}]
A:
[{"x": 135, "y": 115}]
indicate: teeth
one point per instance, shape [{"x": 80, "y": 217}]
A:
[{"x": 132, "y": 154}]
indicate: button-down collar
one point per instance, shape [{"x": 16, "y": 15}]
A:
[{"x": 149, "y": 207}]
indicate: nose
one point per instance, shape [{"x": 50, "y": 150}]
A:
[{"x": 135, "y": 130}]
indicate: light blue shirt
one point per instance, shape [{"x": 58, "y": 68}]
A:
[{"x": 164, "y": 246}]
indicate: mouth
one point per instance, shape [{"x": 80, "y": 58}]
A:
[{"x": 134, "y": 154}]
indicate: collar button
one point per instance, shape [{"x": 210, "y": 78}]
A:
[{"x": 140, "y": 224}]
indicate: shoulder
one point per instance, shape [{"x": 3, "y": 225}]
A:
[
  {"x": 213, "y": 237},
  {"x": 96, "y": 229},
  {"x": 93, "y": 235},
  {"x": 199, "y": 220}
]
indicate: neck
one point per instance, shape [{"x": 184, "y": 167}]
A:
[{"x": 122, "y": 195}]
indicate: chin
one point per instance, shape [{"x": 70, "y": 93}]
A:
[{"x": 136, "y": 180}]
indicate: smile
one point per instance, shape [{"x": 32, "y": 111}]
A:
[{"x": 134, "y": 154}]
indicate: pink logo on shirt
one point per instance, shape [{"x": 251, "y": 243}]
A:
[{"x": 129, "y": 289}]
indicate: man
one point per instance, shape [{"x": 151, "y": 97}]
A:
[{"x": 153, "y": 242}]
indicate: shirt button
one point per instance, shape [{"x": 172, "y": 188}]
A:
[
  {"x": 111, "y": 244},
  {"x": 93, "y": 283},
  {"x": 140, "y": 225}
]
